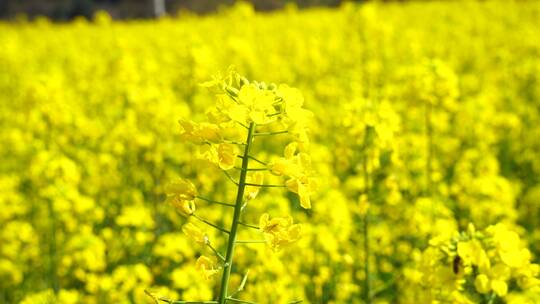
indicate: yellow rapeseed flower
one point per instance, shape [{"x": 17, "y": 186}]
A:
[
  {"x": 207, "y": 267},
  {"x": 279, "y": 231},
  {"x": 181, "y": 194},
  {"x": 199, "y": 132},
  {"x": 195, "y": 233},
  {"x": 227, "y": 155}
]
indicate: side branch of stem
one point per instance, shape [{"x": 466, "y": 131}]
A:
[
  {"x": 270, "y": 133},
  {"x": 255, "y": 159},
  {"x": 210, "y": 224},
  {"x": 265, "y": 186},
  {"x": 249, "y": 225},
  {"x": 214, "y": 202},
  {"x": 240, "y": 301},
  {"x": 230, "y": 178},
  {"x": 250, "y": 241},
  {"x": 215, "y": 251},
  {"x": 252, "y": 169}
]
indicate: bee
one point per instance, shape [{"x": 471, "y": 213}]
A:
[{"x": 455, "y": 264}]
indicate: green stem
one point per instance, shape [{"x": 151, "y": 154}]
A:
[
  {"x": 429, "y": 146},
  {"x": 53, "y": 263},
  {"x": 227, "y": 266},
  {"x": 367, "y": 275},
  {"x": 491, "y": 299}
]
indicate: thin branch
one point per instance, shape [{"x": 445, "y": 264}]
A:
[
  {"x": 214, "y": 202},
  {"x": 248, "y": 225},
  {"x": 252, "y": 169},
  {"x": 242, "y": 285},
  {"x": 240, "y": 301},
  {"x": 210, "y": 224},
  {"x": 273, "y": 114},
  {"x": 270, "y": 133},
  {"x": 253, "y": 158},
  {"x": 185, "y": 302},
  {"x": 265, "y": 186},
  {"x": 167, "y": 300},
  {"x": 234, "y": 142},
  {"x": 250, "y": 241},
  {"x": 384, "y": 287},
  {"x": 278, "y": 102},
  {"x": 215, "y": 251},
  {"x": 148, "y": 293},
  {"x": 243, "y": 125},
  {"x": 230, "y": 177}
]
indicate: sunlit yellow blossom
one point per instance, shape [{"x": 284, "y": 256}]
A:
[
  {"x": 181, "y": 194},
  {"x": 182, "y": 189},
  {"x": 279, "y": 231},
  {"x": 227, "y": 155},
  {"x": 195, "y": 233},
  {"x": 297, "y": 167},
  {"x": 200, "y": 133},
  {"x": 187, "y": 208},
  {"x": 254, "y": 105},
  {"x": 256, "y": 178},
  {"x": 471, "y": 252},
  {"x": 304, "y": 186},
  {"x": 481, "y": 283},
  {"x": 207, "y": 267},
  {"x": 499, "y": 287},
  {"x": 293, "y": 104}
]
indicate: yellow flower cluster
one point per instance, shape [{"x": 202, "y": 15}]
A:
[
  {"x": 279, "y": 231},
  {"x": 475, "y": 266},
  {"x": 253, "y": 108}
]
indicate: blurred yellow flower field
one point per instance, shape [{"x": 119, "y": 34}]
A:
[{"x": 369, "y": 153}]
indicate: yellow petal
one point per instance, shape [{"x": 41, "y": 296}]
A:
[
  {"x": 195, "y": 233},
  {"x": 227, "y": 155},
  {"x": 481, "y": 283},
  {"x": 499, "y": 287}
]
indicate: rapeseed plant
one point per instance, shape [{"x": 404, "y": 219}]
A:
[{"x": 257, "y": 110}]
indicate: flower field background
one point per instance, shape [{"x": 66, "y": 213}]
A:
[{"x": 424, "y": 141}]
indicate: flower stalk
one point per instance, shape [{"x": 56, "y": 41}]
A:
[
  {"x": 429, "y": 145},
  {"x": 227, "y": 266},
  {"x": 249, "y": 106},
  {"x": 367, "y": 274}
]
